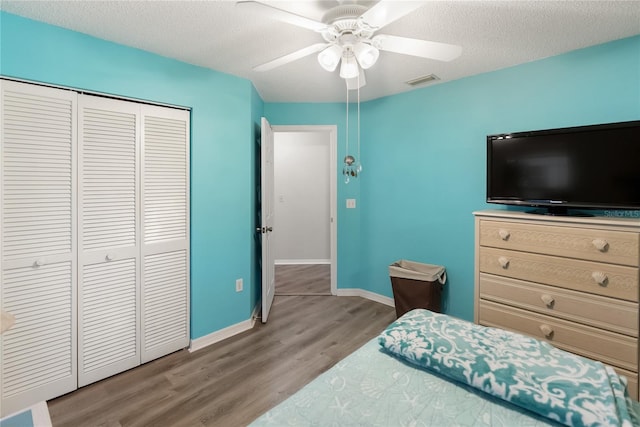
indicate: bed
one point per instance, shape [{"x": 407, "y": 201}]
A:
[{"x": 430, "y": 369}]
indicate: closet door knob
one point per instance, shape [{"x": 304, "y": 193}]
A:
[
  {"x": 600, "y": 244},
  {"x": 547, "y": 300},
  {"x": 600, "y": 278},
  {"x": 546, "y": 330},
  {"x": 504, "y": 262},
  {"x": 504, "y": 234}
]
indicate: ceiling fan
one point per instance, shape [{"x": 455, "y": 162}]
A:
[{"x": 348, "y": 30}]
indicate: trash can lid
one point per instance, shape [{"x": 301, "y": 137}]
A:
[{"x": 418, "y": 271}]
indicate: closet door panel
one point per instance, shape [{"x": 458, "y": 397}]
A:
[
  {"x": 165, "y": 231},
  {"x": 109, "y": 338},
  {"x": 38, "y": 352},
  {"x": 109, "y": 294},
  {"x": 108, "y": 175},
  {"x": 38, "y": 139},
  {"x": 166, "y": 301},
  {"x": 166, "y": 175},
  {"x": 38, "y": 357}
]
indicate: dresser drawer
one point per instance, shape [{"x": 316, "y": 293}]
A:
[
  {"x": 617, "y": 247},
  {"x": 608, "y": 347},
  {"x": 593, "y": 310},
  {"x": 586, "y": 276}
]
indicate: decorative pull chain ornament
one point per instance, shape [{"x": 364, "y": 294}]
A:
[{"x": 352, "y": 168}]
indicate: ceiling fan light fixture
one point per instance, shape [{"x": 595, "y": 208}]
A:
[
  {"x": 366, "y": 54},
  {"x": 356, "y": 82},
  {"x": 330, "y": 57},
  {"x": 349, "y": 67}
]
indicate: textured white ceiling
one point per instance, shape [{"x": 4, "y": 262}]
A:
[{"x": 234, "y": 38}]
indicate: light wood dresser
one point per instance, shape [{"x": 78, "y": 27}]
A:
[{"x": 572, "y": 281}]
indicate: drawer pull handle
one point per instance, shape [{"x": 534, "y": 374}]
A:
[
  {"x": 546, "y": 330},
  {"x": 547, "y": 300},
  {"x": 110, "y": 257},
  {"x": 504, "y": 262},
  {"x": 600, "y": 278},
  {"x": 601, "y": 244},
  {"x": 39, "y": 262},
  {"x": 504, "y": 234}
]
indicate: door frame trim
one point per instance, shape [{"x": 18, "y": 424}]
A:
[{"x": 333, "y": 188}]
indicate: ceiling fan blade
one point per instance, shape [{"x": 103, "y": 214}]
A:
[
  {"x": 386, "y": 11},
  {"x": 423, "y": 48},
  {"x": 293, "y": 56},
  {"x": 284, "y": 15}
]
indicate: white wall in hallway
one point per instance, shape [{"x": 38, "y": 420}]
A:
[{"x": 302, "y": 210}]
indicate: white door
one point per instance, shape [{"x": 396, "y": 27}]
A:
[
  {"x": 108, "y": 247},
  {"x": 165, "y": 231},
  {"x": 38, "y": 356},
  {"x": 266, "y": 216}
]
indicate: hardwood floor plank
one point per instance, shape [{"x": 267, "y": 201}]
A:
[
  {"x": 234, "y": 381},
  {"x": 303, "y": 279}
]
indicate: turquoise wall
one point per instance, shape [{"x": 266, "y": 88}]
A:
[
  {"x": 424, "y": 156},
  {"x": 423, "y": 153},
  {"x": 224, "y": 111}
]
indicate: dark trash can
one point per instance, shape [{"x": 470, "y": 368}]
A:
[{"x": 416, "y": 285}]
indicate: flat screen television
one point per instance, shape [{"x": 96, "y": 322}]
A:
[{"x": 586, "y": 167}]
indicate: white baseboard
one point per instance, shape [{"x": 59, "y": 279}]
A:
[
  {"x": 301, "y": 261},
  {"x": 228, "y": 332},
  {"x": 354, "y": 292}
]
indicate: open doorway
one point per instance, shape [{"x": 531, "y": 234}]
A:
[{"x": 305, "y": 210}]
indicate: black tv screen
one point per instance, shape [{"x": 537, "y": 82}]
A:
[{"x": 592, "y": 167}]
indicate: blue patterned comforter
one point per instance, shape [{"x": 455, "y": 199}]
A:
[
  {"x": 370, "y": 388},
  {"x": 532, "y": 374}
]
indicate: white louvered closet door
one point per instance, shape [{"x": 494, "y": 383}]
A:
[
  {"x": 38, "y": 252},
  {"x": 109, "y": 251},
  {"x": 165, "y": 231}
]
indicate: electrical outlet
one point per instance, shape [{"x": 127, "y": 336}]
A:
[
  {"x": 238, "y": 285},
  {"x": 351, "y": 203}
]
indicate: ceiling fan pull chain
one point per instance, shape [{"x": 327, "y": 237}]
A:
[
  {"x": 345, "y": 170},
  {"x": 358, "y": 164},
  {"x": 347, "y": 153}
]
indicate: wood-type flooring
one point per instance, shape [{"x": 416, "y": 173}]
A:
[
  {"x": 234, "y": 381},
  {"x": 303, "y": 279}
]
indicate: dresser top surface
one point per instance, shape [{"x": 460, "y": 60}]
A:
[{"x": 631, "y": 223}]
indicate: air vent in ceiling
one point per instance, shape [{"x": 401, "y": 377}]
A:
[{"x": 422, "y": 80}]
